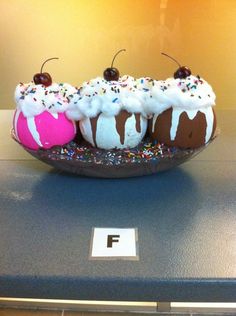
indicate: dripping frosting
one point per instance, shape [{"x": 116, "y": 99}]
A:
[
  {"x": 176, "y": 113},
  {"x": 120, "y": 125},
  {"x": 34, "y": 99},
  {"x": 107, "y": 97},
  {"x": 143, "y": 95},
  {"x": 123, "y": 130},
  {"x": 190, "y": 93}
]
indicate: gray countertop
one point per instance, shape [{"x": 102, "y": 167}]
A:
[{"x": 186, "y": 221}]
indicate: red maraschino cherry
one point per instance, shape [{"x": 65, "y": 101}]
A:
[
  {"x": 112, "y": 73},
  {"x": 43, "y": 77},
  {"x": 182, "y": 72}
]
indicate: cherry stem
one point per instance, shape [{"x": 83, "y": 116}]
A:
[
  {"x": 171, "y": 58},
  {"x": 46, "y": 62},
  {"x": 122, "y": 50}
]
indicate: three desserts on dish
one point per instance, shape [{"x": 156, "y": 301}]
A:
[{"x": 115, "y": 112}]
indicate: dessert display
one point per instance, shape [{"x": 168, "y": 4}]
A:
[
  {"x": 185, "y": 117},
  {"x": 40, "y": 120},
  {"x": 115, "y": 126},
  {"x": 110, "y": 111}
]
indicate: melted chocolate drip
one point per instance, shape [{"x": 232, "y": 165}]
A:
[
  {"x": 94, "y": 122},
  {"x": 191, "y": 133},
  {"x": 138, "y": 123},
  {"x": 121, "y": 119}
]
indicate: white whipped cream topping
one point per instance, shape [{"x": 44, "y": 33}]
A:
[
  {"x": 34, "y": 99},
  {"x": 107, "y": 97},
  {"x": 190, "y": 93},
  {"x": 144, "y": 95}
]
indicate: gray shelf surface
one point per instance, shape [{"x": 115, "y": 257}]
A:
[{"x": 186, "y": 220}]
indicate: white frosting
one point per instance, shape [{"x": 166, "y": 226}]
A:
[
  {"x": 189, "y": 94},
  {"x": 175, "y": 122},
  {"x": 143, "y": 95},
  {"x": 210, "y": 122},
  {"x": 108, "y": 137},
  {"x": 55, "y": 115},
  {"x": 107, "y": 97},
  {"x": 86, "y": 130},
  {"x": 154, "y": 122},
  {"x": 33, "y": 130},
  {"x": 34, "y": 99},
  {"x": 17, "y": 114}
]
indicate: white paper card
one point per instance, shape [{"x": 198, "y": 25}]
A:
[{"x": 114, "y": 243}]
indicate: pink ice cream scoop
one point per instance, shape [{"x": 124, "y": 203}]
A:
[
  {"x": 40, "y": 120},
  {"x": 44, "y": 130}
]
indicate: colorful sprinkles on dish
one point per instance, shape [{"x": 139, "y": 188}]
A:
[{"x": 145, "y": 152}]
